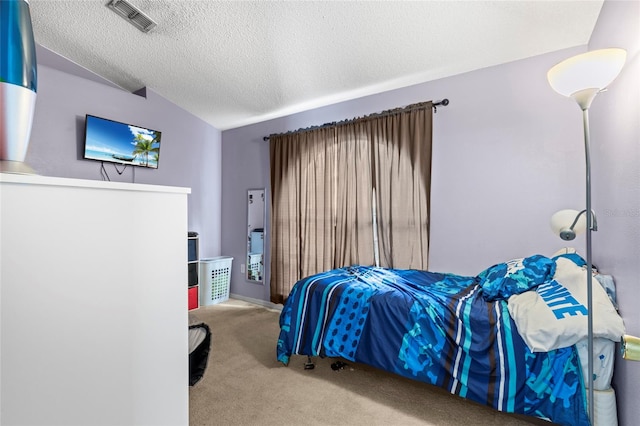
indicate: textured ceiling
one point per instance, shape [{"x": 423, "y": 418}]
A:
[{"x": 234, "y": 63}]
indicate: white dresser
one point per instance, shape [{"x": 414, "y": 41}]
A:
[{"x": 93, "y": 325}]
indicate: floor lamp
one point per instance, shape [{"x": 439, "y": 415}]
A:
[{"x": 581, "y": 78}]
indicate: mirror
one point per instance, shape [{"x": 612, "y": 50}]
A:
[{"x": 255, "y": 234}]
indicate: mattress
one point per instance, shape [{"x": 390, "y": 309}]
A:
[
  {"x": 604, "y": 397},
  {"x": 604, "y": 408}
]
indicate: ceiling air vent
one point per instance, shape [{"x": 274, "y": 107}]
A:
[{"x": 132, "y": 14}]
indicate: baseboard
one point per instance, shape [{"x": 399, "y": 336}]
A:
[{"x": 264, "y": 303}]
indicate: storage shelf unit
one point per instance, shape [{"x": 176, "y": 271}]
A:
[{"x": 193, "y": 265}]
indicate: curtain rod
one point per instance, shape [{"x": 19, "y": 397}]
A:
[{"x": 434, "y": 105}]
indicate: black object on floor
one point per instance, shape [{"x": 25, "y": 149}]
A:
[
  {"x": 309, "y": 365},
  {"x": 199, "y": 346},
  {"x": 338, "y": 365}
]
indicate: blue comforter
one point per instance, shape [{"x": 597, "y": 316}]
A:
[{"x": 434, "y": 328}]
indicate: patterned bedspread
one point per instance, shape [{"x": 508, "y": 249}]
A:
[{"x": 435, "y": 328}]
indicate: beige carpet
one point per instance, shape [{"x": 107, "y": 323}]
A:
[{"x": 245, "y": 385}]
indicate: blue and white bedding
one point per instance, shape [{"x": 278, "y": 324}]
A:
[
  {"x": 555, "y": 314},
  {"x": 447, "y": 330}
]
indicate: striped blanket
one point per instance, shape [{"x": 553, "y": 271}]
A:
[{"x": 434, "y": 328}]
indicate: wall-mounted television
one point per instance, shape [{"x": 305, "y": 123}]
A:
[{"x": 115, "y": 142}]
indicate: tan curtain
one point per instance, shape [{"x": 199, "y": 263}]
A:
[
  {"x": 301, "y": 216},
  {"x": 322, "y": 184},
  {"x": 354, "y": 223},
  {"x": 402, "y": 152}
]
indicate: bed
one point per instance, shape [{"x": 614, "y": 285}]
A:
[{"x": 509, "y": 337}]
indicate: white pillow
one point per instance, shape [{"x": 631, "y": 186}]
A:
[
  {"x": 554, "y": 314},
  {"x": 564, "y": 250}
]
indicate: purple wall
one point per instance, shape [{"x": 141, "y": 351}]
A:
[
  {"x": 502, "y": 165},
  {"x": 189, "y": 155},
  {"x": 508, "y": 153},
  {"x": 615, "y": 147}
]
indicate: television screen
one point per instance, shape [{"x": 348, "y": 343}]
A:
[{"x": 115, "y": 142}]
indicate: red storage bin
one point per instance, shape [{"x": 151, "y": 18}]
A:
[{"x": 193, "y": 297}]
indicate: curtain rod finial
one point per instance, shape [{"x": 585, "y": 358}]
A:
[{"x": 443, "y": 102}]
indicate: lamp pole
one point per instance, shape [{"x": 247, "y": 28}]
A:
[{"x": 585, "y": 120}]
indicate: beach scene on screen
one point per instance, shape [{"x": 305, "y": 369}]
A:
[{"x": 116, "y": 142}]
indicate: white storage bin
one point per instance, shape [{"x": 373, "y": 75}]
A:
[{"x": 215, "y": 278}]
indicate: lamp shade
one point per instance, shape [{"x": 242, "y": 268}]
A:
[
  {"x": 591, "y": 72},
  {"x": 562, "y": 220}
]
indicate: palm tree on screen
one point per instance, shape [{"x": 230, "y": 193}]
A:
[{"x": 145, "y": 146}]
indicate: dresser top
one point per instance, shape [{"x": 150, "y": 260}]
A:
[{"x": 86, "y": 183}]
